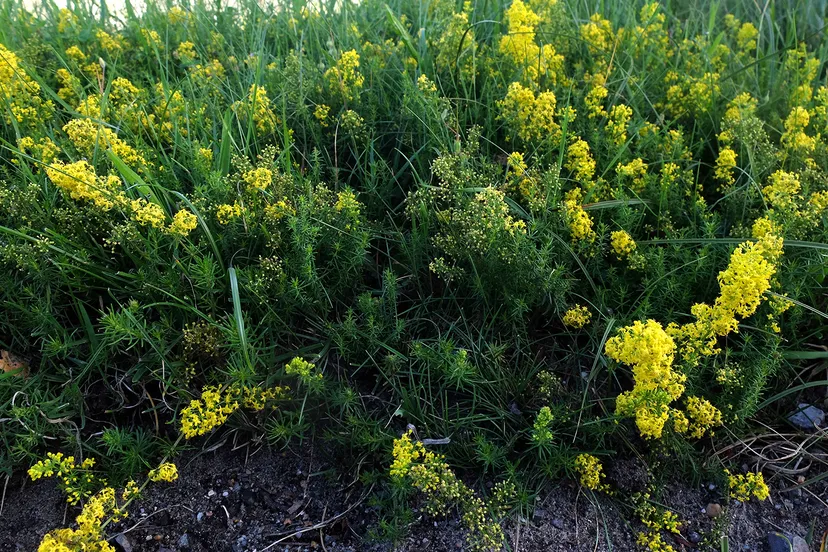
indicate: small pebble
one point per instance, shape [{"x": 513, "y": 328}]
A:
[
  {"x": 713, "y": 510},
  {"x": 558, "y": 523}
]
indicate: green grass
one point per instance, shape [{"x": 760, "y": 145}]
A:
[{"x": 395, "y": 246}]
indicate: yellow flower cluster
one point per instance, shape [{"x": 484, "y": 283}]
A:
[
  {"x": 430, "y": 474},
  {"x": 257, "y": 106},
  {"x": 579, "y": 160},
  {"x": 186, "y": 52},
  {"x": 303, "y": 370},
  {"x": 183, "y": 223},
  {"x": 80, "y": 180},
  {"x": 167, "y": 472},
  {"x": 147, "y": 213},
  {"x": 746, "y": 37},
  {"x": 258, "y": 179},
  {"x": 725, "y": 164},
  {"x": 619, "y": 119},
  {"x": 177, "y": 15},
  {"x": 578, "y": 220},
  {"x": 590, "y": 472},
  {"x": 87, "y": 136},
  {"x": 650, "y": 351},
  {"x": 43, "y": 150},
  {"x": 742, "y": 286},
  {"x": 742, "y": 487},
  {"x": 20, "y": 94},
  {"x": 211, "y": 411},
  {"x": 656, "y": 520},
  {"x": 225, "y": 213},
  {"x": 635, "y": 171},
  {"x": 518, "y": 46},
  {"x": 75, "y": 480},
  {"x": 344, "y": 79},
  {"x": 110, "y": 44},
  {"x": 577, "y": 317},
  {"x": 321, "y": 113},
  {"x": 794, "y": 139},
  {"x": 347, "y": 203},
  {"x": 597, "y": 34},
  {"x": 596, "y": 95},
  {"x": 703, "y": 416},
  {"x": 622, "y": 244},
  {"x": 530, "y": 117},
  {"x": 89, "y": 534}
]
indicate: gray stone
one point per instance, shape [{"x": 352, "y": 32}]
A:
[
  {"x": 807, "y": 417},
  {"x": 780, "y": 542},
  {"x": 558, "y": 523},
  {"x": 184, "y": 542},
  {"x": 122, "y": 541}
]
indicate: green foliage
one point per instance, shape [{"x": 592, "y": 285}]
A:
[{"x": 387, "y": 209}]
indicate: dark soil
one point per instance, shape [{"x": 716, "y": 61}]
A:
[{"x": 246, "y": 500}]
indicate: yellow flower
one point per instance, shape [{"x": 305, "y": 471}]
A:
[
  {"x": 580, "y": 161},
  {"x": 622, "y": 244},
  {"x": 598, "y": 35},
  {"x": 152, "y": 38},
  {"x": 703, "y": 416},
  {"x": 321, "y": 113},
  {"x": 87, "y": 135},
  {"x": 214, "y": 407},
  {"x": 81, "y": 182},
  {"x": 742, "y": 487},
  {"x": 165, "y": 472},
  {"x": 794, "y": 139},
  {"x": 258, "y": 106},
  {"x": 518, "y": 45},
  {"x": 258, "y": 179},
  {"x": 225, "y": 213},
  {"x": 110, "y": 44},
  {"x": 636, "y": 171},
  {"x": 186, "y": 52},
  {"x": 177, "y": 15},
  {"x": 725, "y": 164},
  {"x": 578, "y": 220},
  {"x": 746, "y": 37},
  {"x": 742, "y": 286},
  {"x": 591, "y": 472},
  {"x": 650, "y": 351},
  {"x": 20, "y": 93},
  {"x": 183, "y": 223},
  {"x": 148, "y": 213},
  {"x": 532, "y": 118},
  {"x": 344, "y": 78},
  {"x": 619, "y": 118},
  {"x": 577, "y": 317},
  {"x": 76, "y": 54}
]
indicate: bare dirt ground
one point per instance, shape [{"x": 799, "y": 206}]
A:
[{"x": 244, "y": 500}]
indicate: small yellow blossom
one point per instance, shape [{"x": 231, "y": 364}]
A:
[
  {"x": 591, "y": 472},
  {"x": 742, "y": 487},
  {"x": 165, "y": 472},
  {"x": 577, "y": 317}
]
